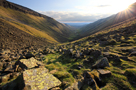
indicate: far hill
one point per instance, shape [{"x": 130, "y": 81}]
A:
[
  {"x": 33, "y": 23},
  {"x": 109, "y": 21}
]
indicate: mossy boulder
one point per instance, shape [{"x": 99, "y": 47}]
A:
[{"x": 101, "y": 63}]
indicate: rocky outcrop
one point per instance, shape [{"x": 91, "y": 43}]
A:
[
  {"x": 33, "y": 76},
  {"x": 102, "y": 63},
  {"x": 34, "y": 79}
]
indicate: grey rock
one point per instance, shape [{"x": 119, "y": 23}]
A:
[{"x": 102, "y": 63}]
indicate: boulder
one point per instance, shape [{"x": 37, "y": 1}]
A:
[
  {"x": 102, "y": 63},
  {"x": 33, "y": 79},
  {"x": 29, "y": 55},
  {"x": 104, "y": 73},
  {"x": 89, "y": 78},
  {"x": 28, "y": 63}
]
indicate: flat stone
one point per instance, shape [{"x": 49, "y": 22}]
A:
[
  {"x": 39, "y": 79},
  {"x": 104, "y": 73},
  {"x": 28, "y": 63}
]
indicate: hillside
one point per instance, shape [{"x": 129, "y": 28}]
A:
[
  {"x": 109, "y": 21},
  {"x": 101, "y": 61},
  {"x": 31, "y": 57},
  {"x": 33, "y": 23}
]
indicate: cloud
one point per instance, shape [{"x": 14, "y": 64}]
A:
[
  {"x": 103, "y": 6},
  {"x": 63, "y": 16}
]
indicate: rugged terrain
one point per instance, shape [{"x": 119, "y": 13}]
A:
[{"x": 105, "y": 60}]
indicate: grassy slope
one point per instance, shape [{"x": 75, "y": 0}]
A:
[
  {"x": 121, "y": 71},
  {"x": 109, "y": 21},
  {"x": 35, "y": 25}
]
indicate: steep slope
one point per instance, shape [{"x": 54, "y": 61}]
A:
[
  {"x": 109, "y": 21},
  {"x": 33, "y": 23}
]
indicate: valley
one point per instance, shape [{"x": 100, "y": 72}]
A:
[{"x": 39, "y": 53}]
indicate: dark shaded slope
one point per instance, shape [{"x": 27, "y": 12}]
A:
[
  {"x": 109, "y": 21},
  {"x": 13, "y": 38}
]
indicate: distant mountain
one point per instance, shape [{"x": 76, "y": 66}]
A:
[
  {"x": 109, "y": 21},
  {"x": 77, "y": 25},
  {"x": 32, "y": 23}
]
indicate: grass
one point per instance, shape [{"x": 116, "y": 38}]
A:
[{"x": 38, "y": 26}]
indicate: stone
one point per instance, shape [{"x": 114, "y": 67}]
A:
[
  {"x": 4, "y": 78},
  {"x": 132, "y": 54},
  {"x": 28, "y": 63},
  {"x": 79, "y": 66},
  {"x": 89, "y": 79},
  {"x": 103, "y": 43},
  {"x": 102, "y": 63},
  {"x": 9, "y": 68},
  {"x": 75, "y": 86},
  {"x": 38, "y": 79},
  {"x": 1, "y": 65},
  {"x": 5, "y": 51},
  {"x": 15, "y": 74},
  {"x": 29, "y": 55},
  {"x": 104, "y": 73},
  {"x": 53, "y": 71},
  {"x": 96, "y": 53}
]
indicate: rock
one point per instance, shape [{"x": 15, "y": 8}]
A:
[
  {"x": 4, "y": 78},
  {"x": 1, "y": 65},
  {"x": 103, "y": 43},
  {"x": 53, "y": 71},
  {"x": 125, "y": 58},
  {"x": 106, "y": 54},
  {"x": 5, "y": 52},
  {"x": 79, "y": 66},
  {"x": 112, "y": 57},
  {"x": 104, "y": 73},
  {"x": 132, "y": 54},
  {"x": 77, "y": 55},
  {"x": 29, "y": 55},
  {"x": 102, "y": 63},
  {"x": 4, "y": 56},
  {"x": 28, "y": 63},
  {"x": 88, "y": 78},
  {"x": 9, "y": 68},
  {"x": 96, "y": 53},
  {"x": 15, "y": 74},
  {"x": 75, "y": 86},
  {"x": 38, "y": 79}
]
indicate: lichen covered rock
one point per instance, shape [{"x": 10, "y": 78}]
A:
[
  {"x": 28, "y": 63},
  {"x": 40, "y": 79},
  {"x": 33, "y": 79}
]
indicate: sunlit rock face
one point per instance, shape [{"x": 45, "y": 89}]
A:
[{"x": 39, "y": 79}]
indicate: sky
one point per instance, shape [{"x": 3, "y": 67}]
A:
[{"x": 76, "y": 11}]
